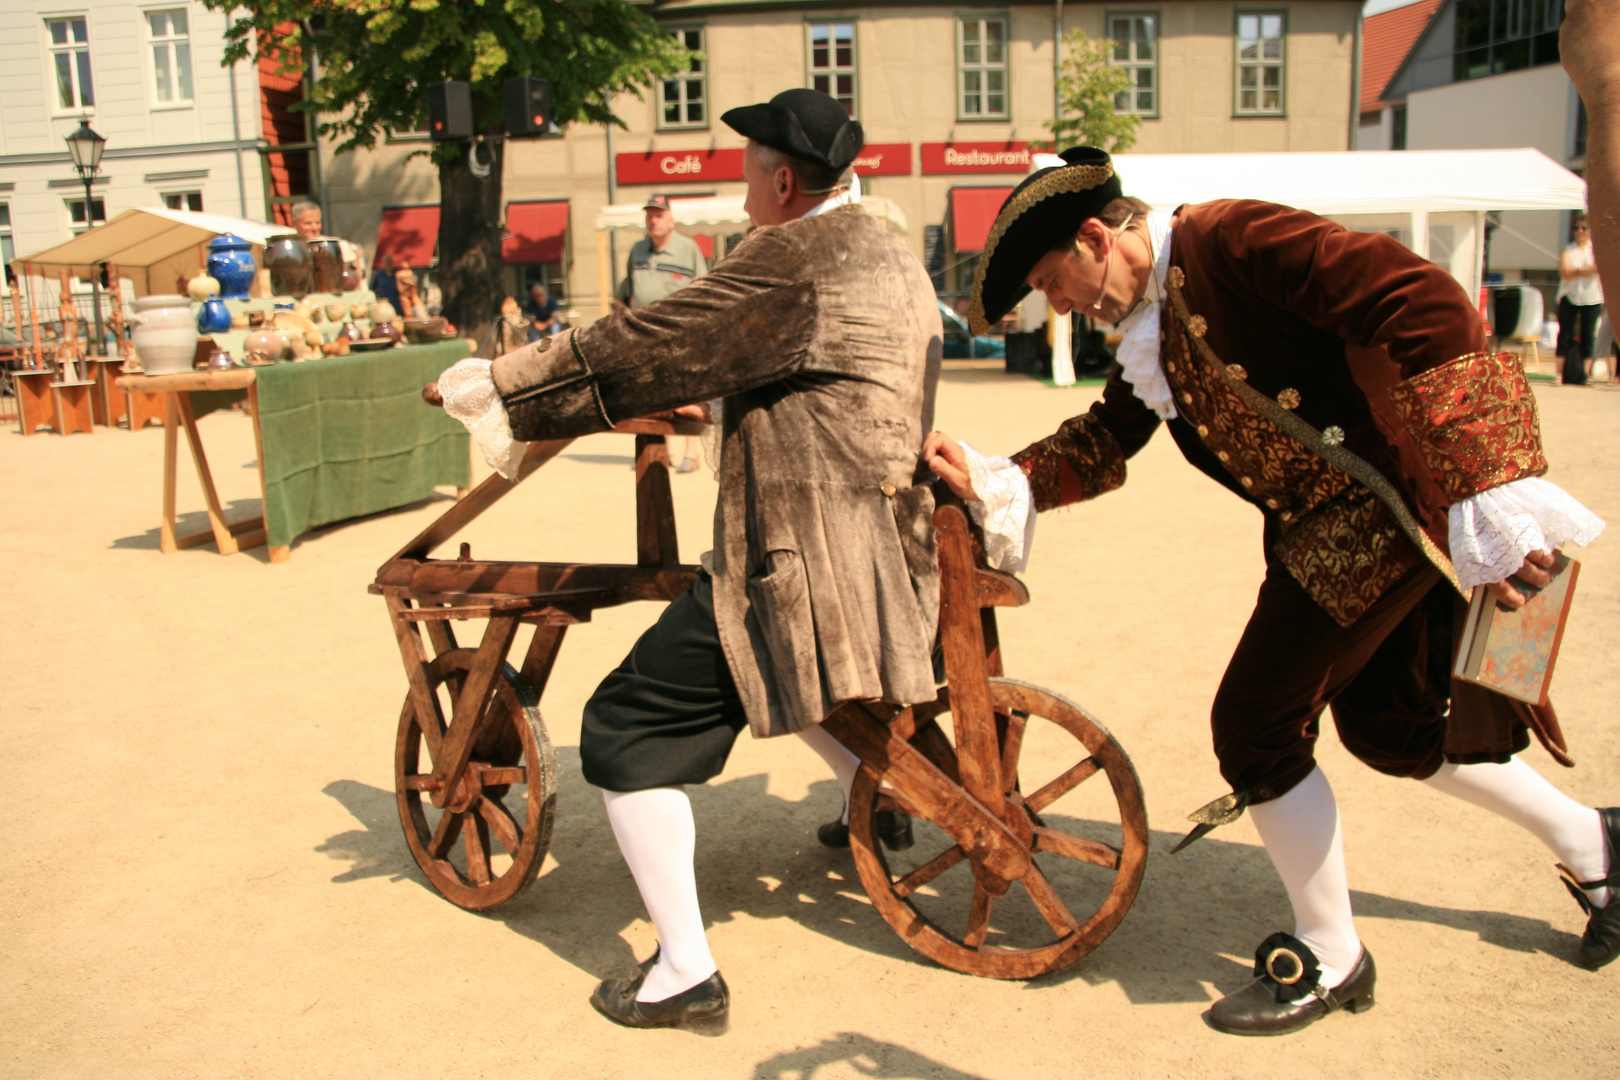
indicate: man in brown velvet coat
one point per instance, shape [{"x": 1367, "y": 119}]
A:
[
  {"x": 1338, "y": 384},
  {"x": 821, "y": 335}
]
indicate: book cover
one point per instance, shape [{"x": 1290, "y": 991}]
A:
[{"x": 1512, "y": 651}]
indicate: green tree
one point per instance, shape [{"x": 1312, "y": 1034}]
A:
[
  {"x": 374, "y": 58},
  {"x": 1089, "y": 89}
]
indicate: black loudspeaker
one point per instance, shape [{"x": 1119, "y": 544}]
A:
[
  {"x": 450, "y": 111},
  {"x": 528, "y": 106}
]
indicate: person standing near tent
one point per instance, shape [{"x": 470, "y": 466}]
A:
[
  {"x": 1339, "y": 384},
  {"x": 1580, "y": 302},
  {"x": 661, "y": 262}
]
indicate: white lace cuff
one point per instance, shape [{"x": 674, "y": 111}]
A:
[
  {"x": 1004, "y": 509},
  {"x": 1493, "y": 531},
  {"x": 470, "y": 396}
]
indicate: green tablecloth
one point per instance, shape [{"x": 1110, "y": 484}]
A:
[{"x": 350, "y": 435}]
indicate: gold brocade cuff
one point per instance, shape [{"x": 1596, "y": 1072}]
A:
[
  {"x": 1096, "y": 464},
  {"x": 1474, "y": 420}
]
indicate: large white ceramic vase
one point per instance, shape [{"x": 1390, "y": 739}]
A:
[{"x": 165, "y": 334}]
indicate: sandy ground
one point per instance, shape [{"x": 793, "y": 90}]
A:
[{"x": 210, "y": 879}]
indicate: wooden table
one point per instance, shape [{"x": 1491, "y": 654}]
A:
[
  {"x": 73, "y": 405},
  {"x": 36, "y": 404},
  {"x": 176, "y": 391},
  {"x": 316, "y": 473}
]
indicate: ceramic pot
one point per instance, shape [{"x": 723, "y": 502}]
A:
[
  {"x": 165, "y": 336},
  {"x": 230, "y": 262},
  {"x": 422, "y": 331},
  {"x": 326, "y": 255},
  {"x": 382, "y": 311},
  {"x": 350, "y": 332},
  {"x": 384, "y": 331},
  {"x": 214, "y": 318},
  {"x": 336, "y": 312},
  {"x": 351, "y": 278},
  {"x": 289, "y": 262},
  {"x": 202, "y": 287},
  {"x": 360, "y": 311},
  {"x": 266, "y": 344},
  {"x": 219, "y": 360}
]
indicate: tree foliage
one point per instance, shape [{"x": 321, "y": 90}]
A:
[
  {"x": 374, "y": 58},
  {"x": 1089, "y": 88}
]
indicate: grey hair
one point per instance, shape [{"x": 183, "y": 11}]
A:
[
  {"x": 302, "y": 205},
  {"x": 812, "y": 178}
]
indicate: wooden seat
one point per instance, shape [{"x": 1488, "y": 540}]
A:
[{"x": 72, "y": 406}]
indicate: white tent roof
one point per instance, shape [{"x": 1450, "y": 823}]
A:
[
  {"x": 722, "y": 210},
  {"x": 1359, "y": 182},
  {"x": 145, "y": 239}
]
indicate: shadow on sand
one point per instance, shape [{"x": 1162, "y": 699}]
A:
[{"x": 1195, "y": 921}]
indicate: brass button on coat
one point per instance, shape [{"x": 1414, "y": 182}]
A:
[
  {"x": 545, "y": 343},
  {"x": 888, "y": 489},
  {"x": 1237, "y": 371},
  {"x": 1288, "y": 398},
  {"x": 1203, "y": 431},
  {"x": 1246, "y": 482}
]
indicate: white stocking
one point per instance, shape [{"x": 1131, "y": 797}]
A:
[
  {"x": 1302, "y": 836},
  {"x": 1573, "y": 832},
  {"x": 658, "y": 837},
  {"x": 838, "y": 757}
]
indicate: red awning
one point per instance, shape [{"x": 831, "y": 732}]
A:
[
  {"x": 408, "y": 233},
  {"x": 536, "y": 232},
  {"x": 973, "y": 211}
]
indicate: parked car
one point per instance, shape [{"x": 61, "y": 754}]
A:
[{"x": 962, "y": 344}]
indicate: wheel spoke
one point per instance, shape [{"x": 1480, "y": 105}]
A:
[
  {"x": 500, "y": 820},
  {"x": 444, "y": 837},
  {"x": 1064, "y": 784},
  {"x": 1012, "y": 746},
  {"x": 1075, "y": 847},
  {"x": 477, "y": 842},
  {"x": 511, "y": 774},
  {"x": 978, "y": 924},
  {"x": 928, "y": 871},
  {"x": 1047, "y": 901}
]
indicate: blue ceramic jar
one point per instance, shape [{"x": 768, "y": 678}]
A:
[
  {"x": 214, "y": 318},
  {"x": 230, "y": 262}
]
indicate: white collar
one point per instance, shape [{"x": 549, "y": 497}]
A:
[{"x": 1139, "y": 345}]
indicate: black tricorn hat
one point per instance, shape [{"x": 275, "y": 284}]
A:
[
  {"x": 805, "y": 123},
  {"x": 1047, "y": 207}
]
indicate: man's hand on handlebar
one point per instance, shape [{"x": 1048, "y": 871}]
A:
[{"x": 949, "y": 462}]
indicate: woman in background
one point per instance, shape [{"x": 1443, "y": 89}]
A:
[{"x": 1580, "y": 301}]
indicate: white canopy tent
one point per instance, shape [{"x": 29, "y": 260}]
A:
[
  {"x": 1435, "y": 201},
  {"x": 148, "y": 245},
  {"x": 711, "y": 214}
]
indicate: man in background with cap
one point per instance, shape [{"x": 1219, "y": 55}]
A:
[
  {"x": 1339, "y": 384},
  {"x": 821, "y": 335},
  {"x": 663, "y": 261}
]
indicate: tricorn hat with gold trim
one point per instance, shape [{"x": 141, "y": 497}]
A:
[{"x": 1047, "y": 207}]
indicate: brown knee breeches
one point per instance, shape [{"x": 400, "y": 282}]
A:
[{"x": 1387, "y": 677}]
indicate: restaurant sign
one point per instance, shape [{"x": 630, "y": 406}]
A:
[
  {"x": 680, "y": 166},
  {"x": 956, "y": 158},
  {"x": 884, "y": 159}
]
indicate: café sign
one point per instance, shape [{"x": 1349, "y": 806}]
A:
[
  {"x": 957, "y": 158},
  {"x": 884, "y": 159},
  {"x": 679, "y": 166}
]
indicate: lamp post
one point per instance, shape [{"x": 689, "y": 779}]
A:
[{"x": 86, "y": 147}]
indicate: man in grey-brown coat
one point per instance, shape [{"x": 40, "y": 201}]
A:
[{"x": 821, "y": 335}]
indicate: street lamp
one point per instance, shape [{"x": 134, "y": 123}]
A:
[{"x": 86, "y": 147}]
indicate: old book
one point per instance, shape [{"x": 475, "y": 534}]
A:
[{"x": 1513, "y": 651}]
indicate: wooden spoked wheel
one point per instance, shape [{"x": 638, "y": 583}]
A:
[
  {"x": 1089, "y": 842},
  {"x": 488, "y": 842}
]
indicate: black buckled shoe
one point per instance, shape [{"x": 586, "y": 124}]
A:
[
  {"x": 1600, "y": 944},
  {"x": 1287, "y": 995},
  {"x": 893, "y": 828},
  {"x": 703, "y": 1006}
]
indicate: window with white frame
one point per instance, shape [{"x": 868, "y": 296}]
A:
[
  {"x": 80, "y": 221},
  {"x": 1260, "y": 61},
  {"x": 683, "y": 102},
  {"x": 6, "y": 251},
  {"x": 184, "y": 200},
  {"x": 832, "y": 61},
  {"x": 981, "y": 67},
  {"x": 170, "y": 38},
  {"x": 1135, "y": 35},
  {"x": 70, "y": 62}
]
